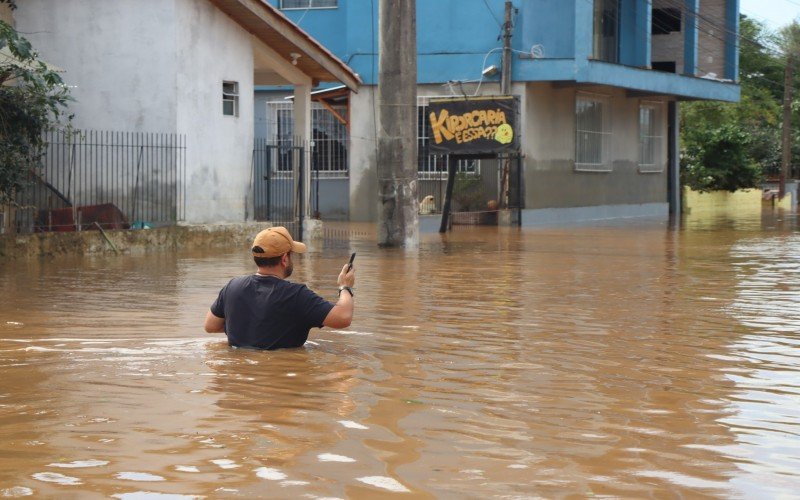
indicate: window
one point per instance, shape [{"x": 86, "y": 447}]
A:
[
  {"x": 665, "y": 66},
  {"x": 666, "y": 21},
  {"x": 329, "y": 154},
  {"x": 606, "y": 30},
  {"x": 651, "y": 138},
  {"x": 309, "y": 4},
  {"x": 230, "y": 98},
  {"x": 592, "y": 133}
]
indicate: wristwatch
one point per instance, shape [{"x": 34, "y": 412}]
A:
[{"x": 348, "y": 289}]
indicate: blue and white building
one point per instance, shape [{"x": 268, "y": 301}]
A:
[{"x": 600, "y": 84}]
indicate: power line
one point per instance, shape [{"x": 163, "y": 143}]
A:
[
  {"x": 499, "y": 24},
  {"x": 776, "y": 85},
  {"x": 714, "y": 23}
]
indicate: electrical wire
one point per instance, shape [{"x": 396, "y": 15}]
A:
[
  {"x": 499, "y": 24},
  {"x": 775, "y": 84},
  {"x": 715, "y": 23}
]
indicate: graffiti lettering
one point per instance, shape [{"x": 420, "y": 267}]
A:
[{"x": 467, "y": 127}]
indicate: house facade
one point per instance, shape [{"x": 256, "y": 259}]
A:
[
  {"x": 184, "y": 67},
  {"x": 599, "y": 84}
]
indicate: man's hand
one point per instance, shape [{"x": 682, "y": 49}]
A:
[
  {"x": 347, "y": 278},
  {"x": 342, "y": 313}
]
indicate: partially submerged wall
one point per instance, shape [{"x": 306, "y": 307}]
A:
[{"x": 234, "y": 236}]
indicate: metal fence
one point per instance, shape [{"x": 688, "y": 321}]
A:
[
  {"x": 112, "y": 179},
  {"x": 278, "y": 177}
]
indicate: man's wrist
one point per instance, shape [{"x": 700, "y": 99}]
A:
[{"x": 348, "y": 288}]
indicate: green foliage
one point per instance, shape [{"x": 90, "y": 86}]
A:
[
  {"x": 468, "y": 192},
  {"x": 726, "y": 146},
  {"x": 32, "y": 101},
  {"x": 720, "y": 158}
]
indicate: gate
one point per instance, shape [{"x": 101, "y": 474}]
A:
[{"x": 278, "y": 180}]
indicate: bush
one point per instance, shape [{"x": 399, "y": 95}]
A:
[
  {"x": 720, "y": 159},
  {"x": 32, "y": 98}
]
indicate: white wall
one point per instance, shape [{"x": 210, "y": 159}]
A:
[
  {"x": 363, "y": 159},
  {"x": 119, "y": 58},
  {"x": 211, "y": 48}
]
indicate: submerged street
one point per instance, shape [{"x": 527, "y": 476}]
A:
[{"x": 627, "y": 360}]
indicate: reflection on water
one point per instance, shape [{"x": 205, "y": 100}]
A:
[{"x": 626, "y": 360}]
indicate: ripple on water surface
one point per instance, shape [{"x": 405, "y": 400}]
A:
[{"x": 643, "y": 361}]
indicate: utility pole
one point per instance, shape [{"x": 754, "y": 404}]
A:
[
  {"x": 398, "y": 220},
  {"x": 505, "y": 89},
  {"x": 505, "y": 76},
  {"x": 786, "y": 138}
]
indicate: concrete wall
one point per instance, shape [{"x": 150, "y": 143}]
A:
[
  {"x": 119, "y": 58},
  {"x": 174, "y": 238},
  {"x": 668, "y": 47},
  {"x": 213, "y": 48},
  {"x": 711, "y": 38},
  {"x": 363, "y": 159},
  {"x": 158, "y": 66},
  {"x": 550, "y": 178}
]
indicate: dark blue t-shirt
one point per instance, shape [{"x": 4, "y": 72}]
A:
[{"x": 267, "y": 312}]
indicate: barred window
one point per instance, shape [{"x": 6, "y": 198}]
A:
[
  {"x": 651, "y": 138},
  {"x": 592, "y": 133},
  {"x": 329, "y": 154},
  {"x": 309, "y": 4}
]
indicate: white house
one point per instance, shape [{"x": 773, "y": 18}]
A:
[{"x": 183, "y": 67}]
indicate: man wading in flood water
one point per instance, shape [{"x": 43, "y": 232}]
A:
[{"x": 264, "y": 311}]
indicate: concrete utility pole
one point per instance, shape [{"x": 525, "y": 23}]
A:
[
  {"x": 505, "y": 76},
  {"x": 786, "y": 137},
  {"x": 505, "y": 89},
  {"x": 398, "y": 220}
]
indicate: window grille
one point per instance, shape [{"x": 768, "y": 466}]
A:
[
  {"x": 329, "y": 153},
  {"x": 230, "y": 98},
  {"x": 592, "y": 133},
  {"x": 309, "y": 4},
  {"x": 651, "y": 138}
]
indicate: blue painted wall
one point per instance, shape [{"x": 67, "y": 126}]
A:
[
  {"x": 456, "y": 39},
  {"x": 550, "y": 25}
]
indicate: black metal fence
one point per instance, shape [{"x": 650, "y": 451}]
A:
[
  {"x": 482, "y": 186},
  {"x": 278, "y": 181},
  {"x": 117, "y": 180}
]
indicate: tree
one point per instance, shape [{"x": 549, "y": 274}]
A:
[{"x": 33, "y": 99}]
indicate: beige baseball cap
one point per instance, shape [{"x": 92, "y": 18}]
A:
[{"x": 274, "y": 242}]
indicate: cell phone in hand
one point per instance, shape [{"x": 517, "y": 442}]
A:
[{"x": 352, "y": 258}]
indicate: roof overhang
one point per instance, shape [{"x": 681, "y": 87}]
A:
[{"x": 275, "y": 30}]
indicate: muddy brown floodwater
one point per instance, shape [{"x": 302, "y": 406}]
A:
[{"x": 627, "y": 360}]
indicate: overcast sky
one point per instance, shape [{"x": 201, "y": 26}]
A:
[{"x": 774, "y": 13}]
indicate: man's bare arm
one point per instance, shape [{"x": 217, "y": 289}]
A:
[
  {"x": 214, "y": 324},
  {"x": 342, "y": 313}
]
